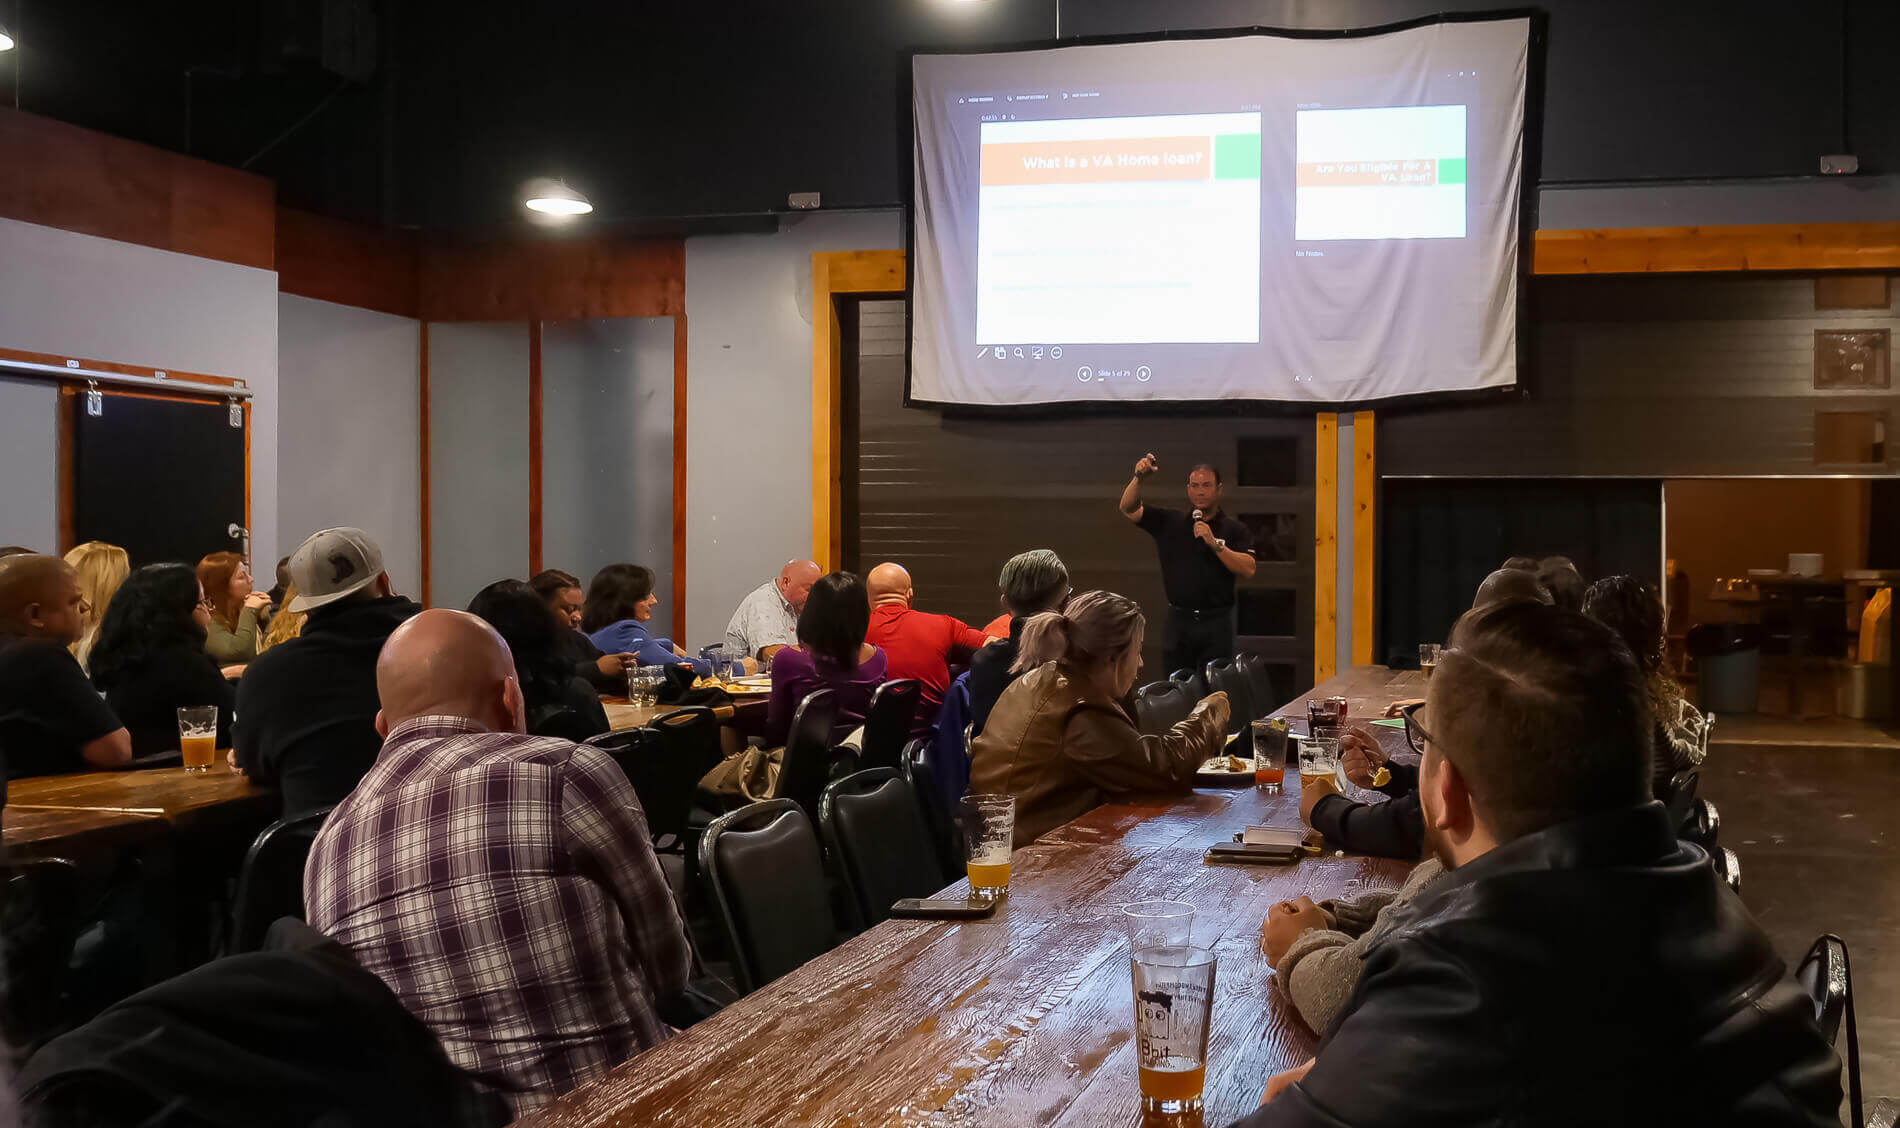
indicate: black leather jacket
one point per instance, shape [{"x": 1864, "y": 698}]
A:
[{"x": 1596, "y": 973}]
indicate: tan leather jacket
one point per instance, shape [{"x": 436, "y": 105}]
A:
[{"x": 1058, "y": 744}]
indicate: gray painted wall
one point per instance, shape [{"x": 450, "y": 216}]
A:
[
  {"x": 607, "y": 448},
  {"x": 29, "y": 463},
  {"x": 478, "y": 457},
  {"x": 748, "y": 423},
  {"x": 348, "y": 453},
  {"x": 100, "y": 299}
]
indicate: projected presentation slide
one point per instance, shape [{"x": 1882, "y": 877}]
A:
[{"x": 1248, "y": 217}]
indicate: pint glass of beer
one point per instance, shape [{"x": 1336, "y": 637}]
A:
[
  {"x": 198, "y": 736},
  {"x": 1319, "y": 759},
  {"x": 989, "y": 824},
  {"x": 1428, "y": 657},
  {"x": 1174, "y": 999}
]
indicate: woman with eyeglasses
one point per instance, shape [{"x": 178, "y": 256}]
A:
[{"x": 150, "y": 659}]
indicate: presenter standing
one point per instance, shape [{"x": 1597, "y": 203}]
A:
[{"x": 1201, "y": 552}]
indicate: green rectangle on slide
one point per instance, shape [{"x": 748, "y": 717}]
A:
[
  {"x": 1237, "y": 156},
  {"x": 1451, "y": 170}
]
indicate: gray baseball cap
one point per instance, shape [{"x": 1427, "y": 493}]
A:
[{"x": 331, "y": 565}]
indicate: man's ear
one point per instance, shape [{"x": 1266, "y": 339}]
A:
[
  {"x": 382, "y": 725},
  {"x": 1451, "y": 798},
  {"x": 30, "y": 614},
  {"x": 514, "y": 705}
]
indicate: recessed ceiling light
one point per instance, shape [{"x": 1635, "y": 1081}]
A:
[{"x": 553, "y": 197}]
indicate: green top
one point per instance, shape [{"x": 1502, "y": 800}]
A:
[{"x": 232, "y": 648}]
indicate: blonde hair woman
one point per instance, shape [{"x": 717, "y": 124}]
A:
[
  {"x": 102, "y": 568},
  {"x": 1060, "y": 740},
  {"x": 285, "y": 625}
]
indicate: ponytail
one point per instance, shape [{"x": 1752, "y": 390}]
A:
[{"x": 1097, "y": 627}]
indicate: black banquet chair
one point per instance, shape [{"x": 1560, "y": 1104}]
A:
[
  {"x": 1192, "y": 681},
  {"x": 270, "y": 884},
  {"x": 1825, "y": 976},
  {"x": 875, "y": 831},
  {"x": 1224, "y": 676},
  {"x": 39, "y": 923},
  {"x": 664, "y": 762},
  {"x": 920, "y": 771},
  {"x": 767, "y": 878},
  {"x": 808, "y": 751},
  {"x": 1264, "y": 696},
  {"x": 887, "y": 723},
  {"x": 1159, "y": 706}
]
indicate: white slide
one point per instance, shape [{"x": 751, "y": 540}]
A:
[{"x": 1391, "y": 173}]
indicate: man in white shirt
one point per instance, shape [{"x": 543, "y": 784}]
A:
[{"x": 767, "y": 619}]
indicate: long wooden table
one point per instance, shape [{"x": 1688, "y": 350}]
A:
[
  {"x": 623, "y": 714},
  {"x": 1023, "y": 1018},
  {"x": 48, "y": 815}
]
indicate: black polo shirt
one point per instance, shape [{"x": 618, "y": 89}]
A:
[{"x": 1191, "y": 573}]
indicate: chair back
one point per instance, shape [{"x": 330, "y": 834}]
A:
[
  {"x": 767, "y": 879},
  {"x": 1159, "y": 706},
  {"x": 887, "y": 723},
  {"x": 270, "y": 885},
  {"x": 875, "y": 831},
  {"x": 1264, "y": 695},
  {"x": 1825, "y": 975},
  {"x": 1728, "y": 867},
  {"x": 1703, "y": 826},
  {"x": 663, "y": 762},
  {"x": 1191, "y": 680},
  {"x": 556, "y": 719},
  {"x": 1225, "y": 677},
  {"x": 1679, "y": 796},
  {"x": 807, "y": 763},
  {"x": 922, "y": 773},
  {"x": 39, "y": 922}
]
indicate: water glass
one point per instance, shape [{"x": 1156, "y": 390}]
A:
[
  {"x": 1174, "y": 1001},
  {"x": 1158, "y": 924},
  {"x": 989, "y": 830},
  {"x": 198, "y": 736},
  {"x": 1269, "y": 753}
]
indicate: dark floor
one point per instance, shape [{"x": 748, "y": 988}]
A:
[{"x": 1813, "y": 826}]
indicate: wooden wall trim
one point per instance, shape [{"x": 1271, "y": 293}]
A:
[
  {"x": 351, "y": 264},
  {"x": 553, "y": 278},
  {"x": 1365, "y": 488},
  {"x": 422, "y": 511},
  {"x": 1772, "y": 246},
  {"x": 679, "y": 477},
  {"x": 834, "y": 273},
  {"x": 1325, "y": 543},
  {"x": 60, "y": 175},
  {"x": 534, "y": 447}
]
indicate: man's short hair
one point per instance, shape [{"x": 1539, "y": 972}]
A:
[
  {"x": 1544, "y": 713},
  {"x": 1209, "y": 467},
  {"x": 1033, "y": 581}
]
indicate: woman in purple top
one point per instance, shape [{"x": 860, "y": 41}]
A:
[{"x": 831, "y": 654}]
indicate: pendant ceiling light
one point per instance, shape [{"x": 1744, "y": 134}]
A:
[{"x": 552, "y": 197}]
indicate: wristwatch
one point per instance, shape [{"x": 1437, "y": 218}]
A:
[{"x": 1220, "y": 544}]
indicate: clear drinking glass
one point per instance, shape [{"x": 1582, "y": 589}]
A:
[
  {"x": 198, "y": 736},
  {"x": 1158, "y": 924},
  {"x": 1174, "y": 1000},
  {"x": 1319, "y": 759},
  {"x": 643, "y": 684},
  {"x": 989, "y": 825},
  {"x": 1269, "y": 753},
  {"x": 1428, "y": 657}
]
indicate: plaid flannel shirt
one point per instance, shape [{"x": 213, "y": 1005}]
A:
[{"x": 505, "y": 888}]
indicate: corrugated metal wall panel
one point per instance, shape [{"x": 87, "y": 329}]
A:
[{"x": 953, "y": 498}]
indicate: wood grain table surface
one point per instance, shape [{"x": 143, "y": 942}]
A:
[
  {"x": 1025, "y": 1017},
  {"x": 622, "y": 714},
  {"x": 73, "y": 832}
]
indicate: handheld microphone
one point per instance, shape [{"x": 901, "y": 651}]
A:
[{"x": 1197, "y": 515}]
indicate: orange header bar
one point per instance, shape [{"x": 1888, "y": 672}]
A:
[
  {"x": 1353, "y": 174},
  {"x": 1097, "y": 162}
]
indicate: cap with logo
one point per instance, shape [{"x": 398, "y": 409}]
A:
[{"x": 333, "y": 564}]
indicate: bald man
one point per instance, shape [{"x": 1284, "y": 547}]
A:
[
  {"x": 767, "y": 618},
  {"x": 504, "y": 886},
  {"x": 917, "y": 644},
  {"x": 52, "y": 720}
]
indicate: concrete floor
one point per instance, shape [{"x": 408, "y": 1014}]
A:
[{"x": 1814, "y": 828}]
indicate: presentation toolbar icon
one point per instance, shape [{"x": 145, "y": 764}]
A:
[
  {"x": 1035, "y": 353},
  {"x": 1144, "y": 373},
  {"x": 1001, "y": 352},
  {"x": 1085, "y": 374},
  {"x": 1055, "y": 352},
  {"x": 1019, "y": 352}
]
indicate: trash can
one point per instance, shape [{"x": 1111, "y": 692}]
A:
[
  {"x": 1728, "y": 666},
  {"x": 1866, "y": 691}
]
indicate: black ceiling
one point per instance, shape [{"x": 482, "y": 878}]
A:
[{"x": 429, "y": 113}]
